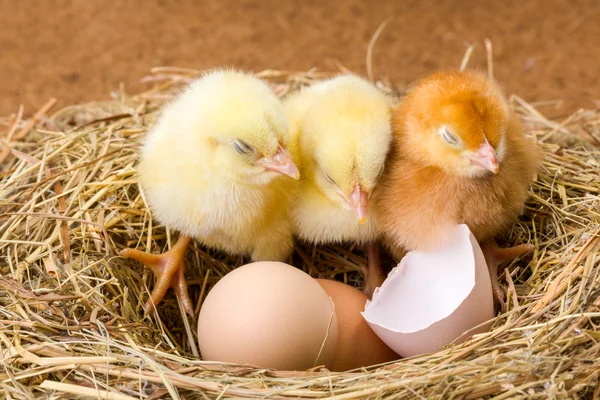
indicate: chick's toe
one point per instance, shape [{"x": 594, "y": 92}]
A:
[
  {"x": 495, "y": 257},
  {"x": 169, "y": 270}
]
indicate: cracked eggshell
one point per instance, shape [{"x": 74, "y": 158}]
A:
[
  {"x": 271, "y": 315},
  {"x": 434, "y": 298}
]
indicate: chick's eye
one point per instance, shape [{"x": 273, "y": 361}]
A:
[
  {"x": 242, "y": 147},
  {"x": 449, "y": 138},
  {"x": 328, "y": 178}
]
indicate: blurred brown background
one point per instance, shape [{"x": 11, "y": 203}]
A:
[{"x": 80, "y": 50}]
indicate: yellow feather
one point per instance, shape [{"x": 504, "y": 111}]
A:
[{"x": 342, "y": 128}]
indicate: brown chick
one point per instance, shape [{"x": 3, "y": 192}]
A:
[{"x": 458, "y": 156}]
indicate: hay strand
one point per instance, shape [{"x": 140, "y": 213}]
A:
[{"x": 371, "y": 45}]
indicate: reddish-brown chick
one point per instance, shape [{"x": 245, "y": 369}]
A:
[{"x": 458, "y": 156}]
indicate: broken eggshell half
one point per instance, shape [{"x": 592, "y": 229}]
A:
[{"x": 434, "y": 298}]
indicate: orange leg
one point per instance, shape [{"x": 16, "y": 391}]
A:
[
  {"x": 495, "y": 256},
  {"x": 373, "y": 274},
  {"x": 168, "y": 268}
]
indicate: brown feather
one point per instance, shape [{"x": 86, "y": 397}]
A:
[{"x": 419, "y": 200}]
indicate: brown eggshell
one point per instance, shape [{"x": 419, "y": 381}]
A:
[
  {"x": 358, "y": 346},
  {"x": 270, "y": 315}
]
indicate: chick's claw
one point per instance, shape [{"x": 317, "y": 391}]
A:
[
  {"x": 498, "y": 293},
  {"x": 169, "y": 270},
  {"x": 495, "y": 257}
]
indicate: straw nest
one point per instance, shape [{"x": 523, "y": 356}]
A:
[{"x": 72, "y": 324}]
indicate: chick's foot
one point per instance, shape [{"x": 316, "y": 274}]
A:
[
  {"x": 495, "y": 257},
  {"x": 373, "y": 274},
  {"x": 169, "y": 270}
]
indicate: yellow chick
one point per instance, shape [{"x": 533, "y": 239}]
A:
[
  {"x": 343, "y": 133},
  {"x": 216, "y": 168}
]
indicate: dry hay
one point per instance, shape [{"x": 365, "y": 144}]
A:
[{"x": 71, "y": 320}]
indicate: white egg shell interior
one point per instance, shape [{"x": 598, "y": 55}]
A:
[{"x": 434, "y": 298}]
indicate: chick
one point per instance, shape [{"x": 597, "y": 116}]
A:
[
  {"x": 216, "y": 167},
  {"x": 459, "y": 156},
  {"x": 342, "y": 127}
]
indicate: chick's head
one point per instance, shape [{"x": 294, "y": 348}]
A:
[
  {"x": 245, "y": 124},
  {"x": 255, "y": 149},
  {"x": 457, "y": 121},
  {"x": 349, "y": 135}
]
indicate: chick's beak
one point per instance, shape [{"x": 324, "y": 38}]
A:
[
  {"x": 281, "y": 162},
  {"x": 359, "y": 203},
  {"x": 485, "y": 157}
]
